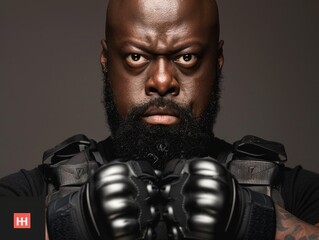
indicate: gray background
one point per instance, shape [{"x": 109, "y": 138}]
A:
[{"x": 51, "y": 87}]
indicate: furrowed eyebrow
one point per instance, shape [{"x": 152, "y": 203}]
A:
[
  {"x": 179, "y": 48},
  {"x": 139, "y": 46}
]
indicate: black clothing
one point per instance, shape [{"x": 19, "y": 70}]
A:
[
  {"x": 300, "y": 188},
  {"x": 300, "y": 191},
  {"x": 24, "y": 183}
]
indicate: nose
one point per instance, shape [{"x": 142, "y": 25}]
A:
[{"x": 161, "y": 80}]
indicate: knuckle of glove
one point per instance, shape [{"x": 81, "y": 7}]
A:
[
  {"x": 115, "y": 173},
  {"x": 113, "y": 197},
  {"x": 208, "y": 194},
  {"x": 112, "y": 187},
  {"x": 111, "y": 173},
  {"x": 207, "y": 167},
  {"x": 124, "y": 193},
  {"x": 200, "y": 196},
  {"x": 209, "y": 180}
]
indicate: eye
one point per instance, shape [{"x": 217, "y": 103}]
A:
[
  {"x": 136, "y": 60},
  {"x": 187, "y": 60}
]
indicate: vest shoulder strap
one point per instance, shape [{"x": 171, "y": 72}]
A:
[
  {"x": 68, "y": 165},
  {"x": 256, "y": 164}
]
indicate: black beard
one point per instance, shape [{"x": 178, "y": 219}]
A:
[{"x": 135, "y": 140}]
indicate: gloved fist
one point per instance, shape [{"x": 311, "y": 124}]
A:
[
  {"x": 115, "y": 204},
  {"x": 205, "y": 202}
]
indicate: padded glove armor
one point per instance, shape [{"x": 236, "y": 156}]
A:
[
  {"x": 114, "y": 205},
  {"x": 205, "y": 202}
]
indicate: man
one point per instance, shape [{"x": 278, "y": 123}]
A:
[{"x": 162, "y": 62}]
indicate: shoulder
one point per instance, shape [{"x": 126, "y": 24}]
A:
[
  {"x": 299, "y": 175},
  {"x": 35, "y": 182},
  {"x": 298, "y": 180},
  {"x": 300, "y": 190},
  {"x": 23, "y": 183}
]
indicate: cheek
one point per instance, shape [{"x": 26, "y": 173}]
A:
[
  {"x": 126, "y": 95},
  {"x": 127, "y": 90},
  {"x": 201, "y": 102},
  {"x": 198, "y": 90}
]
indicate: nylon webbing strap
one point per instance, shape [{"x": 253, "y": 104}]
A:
[
  {"x": 254, "y": 172},
  {"x": 256, "y": 164},
  {"x": 258, "y": 148},
  {"x": 259, "y": 176},
  {"x": 260, "y": 215},
  {"x": 67, "y": 148}
]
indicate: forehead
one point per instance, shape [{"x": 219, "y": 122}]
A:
[{"x": 161, "y": 18}]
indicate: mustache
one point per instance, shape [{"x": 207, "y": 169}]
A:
[{"x": 137, "y": 111}]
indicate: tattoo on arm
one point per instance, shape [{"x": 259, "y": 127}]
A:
[{"x": 291, "y": 228}]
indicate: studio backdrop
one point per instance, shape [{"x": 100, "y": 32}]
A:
[{"x": 51, "y": 82}]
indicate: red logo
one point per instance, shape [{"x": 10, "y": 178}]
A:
[{"x": 22, "y": 220}]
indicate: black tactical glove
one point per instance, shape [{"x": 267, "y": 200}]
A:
[
  {"x": 114, "y": 205},
  {"x": 205, "y": 202}
]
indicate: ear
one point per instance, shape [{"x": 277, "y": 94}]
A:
[
  {"x": 103, "y": 57},
  {"x": 220, "y": 55}
]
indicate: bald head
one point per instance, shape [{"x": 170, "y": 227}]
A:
[{"x": 206, "y": 11}]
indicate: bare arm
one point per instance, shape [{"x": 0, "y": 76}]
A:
[
  {"x": 46, "y": 232},
  {"x": 290, "y": 227}
]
